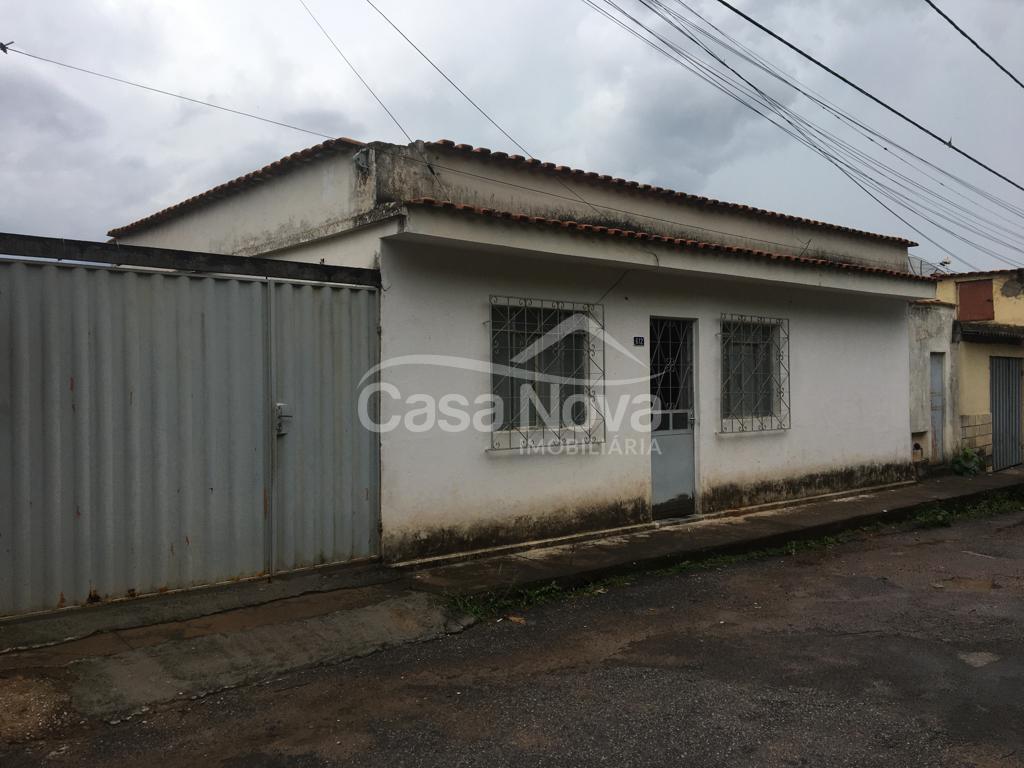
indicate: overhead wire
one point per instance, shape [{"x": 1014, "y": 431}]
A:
[
  {"x": 429, "y": 164},
  {"x": 901, "y": 153},
  {"x": 351, "y": 66},
  {"x": 944, "y": 208},
  {"x": 736, "y": 92},
  {"x": 468, "y": 98},
  {"x": 975, "y": 43},
  {"x": 802, "y": 135},
  {"x": 871, "y": 96}
]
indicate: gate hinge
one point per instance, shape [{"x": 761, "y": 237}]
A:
[{"x": 282, "y": 418}]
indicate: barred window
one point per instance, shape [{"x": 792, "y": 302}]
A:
[
  {"x": 547, "y": 372},
  {"x": 755, "y": 373}
]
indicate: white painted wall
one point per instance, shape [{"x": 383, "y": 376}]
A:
[
  {"x": 849, "y": 358},
  {"x": 307, "y": 203}
]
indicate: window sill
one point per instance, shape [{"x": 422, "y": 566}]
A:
[{"x": 749, "y": 432}]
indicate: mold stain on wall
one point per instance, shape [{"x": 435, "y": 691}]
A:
[
  {"x": 443, "y": 540},
  {"x": 736, "y": 496}
]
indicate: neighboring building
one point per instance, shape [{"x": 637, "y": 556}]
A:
[
  {"x": 988, "y": 342},
  {"x": 934, "y": 405},
  {"x": 777, "y": 347}
]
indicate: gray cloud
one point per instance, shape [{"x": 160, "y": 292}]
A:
[{"x": 81, "y": 155}]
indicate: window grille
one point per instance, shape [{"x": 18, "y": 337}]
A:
[
  {"x": 547, "y": 372},
  {"x": 755, "y": 373}
]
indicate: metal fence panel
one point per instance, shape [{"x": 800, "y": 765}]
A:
[
  {"x": 1005, "y": 390},
  {"x": 133, "y": 450},
  {"x": 326, "y": 479}
]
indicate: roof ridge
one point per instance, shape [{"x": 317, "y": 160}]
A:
[
  {"x": 679, "y": 242},
  {"x": 484, "y": 152}
]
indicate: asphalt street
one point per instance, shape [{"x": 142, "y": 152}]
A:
[{"x": 897, "y": 650}]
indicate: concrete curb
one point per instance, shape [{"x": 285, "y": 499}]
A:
[{"x": 569, "y": 575}]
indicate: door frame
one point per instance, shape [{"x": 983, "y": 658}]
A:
[{"x": 695, "y": 343}]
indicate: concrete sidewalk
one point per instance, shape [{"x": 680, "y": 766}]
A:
[
  {"x": 576, "y": 563},
  {"x": 121, "y": 657}
]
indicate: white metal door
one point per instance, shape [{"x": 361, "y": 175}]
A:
[{"x": 672, "y": 446}]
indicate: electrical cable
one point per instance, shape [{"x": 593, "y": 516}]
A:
[
  {"x": 862, "y": 91},
  {"x": 407, "y": 158},
  {"x": 975, "y": 43}
]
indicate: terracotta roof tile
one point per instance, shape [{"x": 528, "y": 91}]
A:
[
  {"x": 429, "y": 202},
  {"x": 978, "y": 273},
  {"x": 662, "y": 192},
  {"x": 276, "y": 168}
]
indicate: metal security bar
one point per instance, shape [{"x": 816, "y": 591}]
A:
[
  {"x": 755, "y": 373},
  {"x": 671, "y": 373},
  {"x": 547, "y": 373}
]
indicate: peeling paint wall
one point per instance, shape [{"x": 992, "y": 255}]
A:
[
  {"x": 317, "y": 200},
  {"x": 446, "y": 491},
  {"x": 539, "y": 193},
  {"x": 931, "y": 331},
  {"x": 346, "y": 191},
  {"x": 1007, "y": 295}
]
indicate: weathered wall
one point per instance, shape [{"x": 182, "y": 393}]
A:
[
  {"x": 313, "y": 201},
  {"x": 540, "y": 193},
  {"x": 975, "y": 396},
  {"x": 1007, "y": 295},
  {"x": 331, "y": 195},
  {"x": 443, "y": 491},
  {"x": 931, "y": 330}
]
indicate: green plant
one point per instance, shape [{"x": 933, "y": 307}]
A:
[{"x": 968, "y": 462}]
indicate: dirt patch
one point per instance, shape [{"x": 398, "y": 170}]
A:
[
  {"x": 963, "y": 584},
  {"x": 30, "y": 708}
]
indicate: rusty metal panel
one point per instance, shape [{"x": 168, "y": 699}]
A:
[
  {"x": 1005, "y": 391},
  {"x": 974, "y": 300},
  {"x": 133, "y": 438},
  {"x": 326, "y": 474}
]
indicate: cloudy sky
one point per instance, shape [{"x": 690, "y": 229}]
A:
[{"x": 79, "y": 155}]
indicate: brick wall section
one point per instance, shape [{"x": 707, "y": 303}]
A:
[{"x": 976, "y": 432}]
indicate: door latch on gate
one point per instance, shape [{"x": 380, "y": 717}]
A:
[{"x": 282, "y": 418}]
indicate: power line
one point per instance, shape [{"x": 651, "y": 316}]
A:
[
  {"x": 451, "y": 82},
  {"x": 476, "y": 106},
  {"x": 945, "y": 208},
  {"x": 795, "y": 126},
  {"x": 431, "y": 165},
  {"x": 737, "y": 48},
  {"x": 356, "y": 71},
  {"x": 433, "y": 173},
  {"x": 150, "y": 88},
  {"x": 974, "y": 43},
  {"x": 819, "y": 139},
  {"x": 893, "y": 110}
]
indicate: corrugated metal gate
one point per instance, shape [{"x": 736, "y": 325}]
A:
[
  {"x": 139, "y": 445},
  {"x": 1005, "y": 390}
]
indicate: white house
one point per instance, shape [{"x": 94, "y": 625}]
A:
[{"x": 776, "y": 347}]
